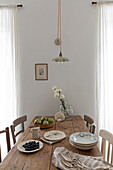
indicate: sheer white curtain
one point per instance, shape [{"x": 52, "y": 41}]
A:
[
  {"x": 105, "y": 66},
  {"x": 8, "y": 67}
]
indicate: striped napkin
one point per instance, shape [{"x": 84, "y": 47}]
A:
[{"x": 61, "y": 157}]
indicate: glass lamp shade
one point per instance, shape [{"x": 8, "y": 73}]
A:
[{"x": 60, "y": 58}]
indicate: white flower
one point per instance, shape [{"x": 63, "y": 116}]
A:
[
  {"x": 59, "y": 90},
  {"x": 56, "y": 91},
  {"x": 54, "y": 88},
  {"x": 56, "y": 95},
  {"x": 61, "y": 96}
]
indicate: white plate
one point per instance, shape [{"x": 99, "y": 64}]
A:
[
  {"x": 83, "y": 144},
  {"x": 22, "y": 149},
  {"x": 82, "y": 147},
  {"x": 54, "y": 135},
  {"x": 83, "y": 138}
]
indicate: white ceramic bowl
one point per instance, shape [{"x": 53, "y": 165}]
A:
[
  {"x": 83, "y": 138},
  {"x": 82, "y": 147}
]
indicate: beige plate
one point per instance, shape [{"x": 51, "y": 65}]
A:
[
  {"x": 54, "y": 135},
  {"x": 22, "y": 149},
  {"x": 82, "y": 147},
  {"x": 74, "y": 143}
]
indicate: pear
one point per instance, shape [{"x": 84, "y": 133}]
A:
[
  {"x": 50, "y": 120},
  {"x": 45, "y": 122},
  {"x": 37, "y": 121},
  {"x": 43, "y": 118}
]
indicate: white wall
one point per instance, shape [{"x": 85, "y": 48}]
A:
[{"x": 37, "y": 32}]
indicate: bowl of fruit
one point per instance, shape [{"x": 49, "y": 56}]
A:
[{"x": 44, "y": 122}]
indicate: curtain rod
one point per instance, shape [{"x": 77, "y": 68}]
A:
[
  {"x": 18, "y": 6},
  {"x": 95, "y": 3}
]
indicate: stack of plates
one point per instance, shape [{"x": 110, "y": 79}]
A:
[{"x": 83, "y": 140}]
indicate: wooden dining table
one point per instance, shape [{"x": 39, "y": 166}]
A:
[{"x": 42, "y": 159}]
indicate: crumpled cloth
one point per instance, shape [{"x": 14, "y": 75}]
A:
[{"x": 91, "y": 163}]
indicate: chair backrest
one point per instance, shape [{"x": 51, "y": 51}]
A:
[
  {"x": 90, "y": 123},
  {"x": 106, "y": 150},
  {"x": 17, "y": 122},
  {"x": 7, "y": 140}
]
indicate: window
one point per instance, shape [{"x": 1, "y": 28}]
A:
[
  {"x": 8, "y": 67},
  {"x": 105, "y": 67}
]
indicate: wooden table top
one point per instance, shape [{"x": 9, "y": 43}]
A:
[{"x": 42, "y": 160}]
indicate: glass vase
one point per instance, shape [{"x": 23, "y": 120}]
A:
[
  {"x": 66, "y": 114},
  {"x": 63, "y": 107},
  {"x": 70, "y": 110}
]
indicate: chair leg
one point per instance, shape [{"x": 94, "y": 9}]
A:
[
  {"x": 8, "y": 140},
  {"x": 0, "y": 155},
  {"x": 13, "y": 135}
]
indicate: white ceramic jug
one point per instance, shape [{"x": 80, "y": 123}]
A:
[{"x": 35, "y": 132}]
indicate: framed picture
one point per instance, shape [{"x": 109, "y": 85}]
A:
[{"x": 41, "y": 71}]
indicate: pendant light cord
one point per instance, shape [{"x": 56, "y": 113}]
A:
[
  {"x": 58, "y": 24},
  {"x": 60, "y": 27},
  {"x": 60, "y": 58}
]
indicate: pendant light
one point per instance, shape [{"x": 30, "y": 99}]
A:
[{"x": 58, "y": 40}]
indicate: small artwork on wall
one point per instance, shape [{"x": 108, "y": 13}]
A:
[{"x": 41, "y": 71}]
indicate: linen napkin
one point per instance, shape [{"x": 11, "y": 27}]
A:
[
  {"x": 50, "y": 142},
  {"x": 82, "y": 163}
]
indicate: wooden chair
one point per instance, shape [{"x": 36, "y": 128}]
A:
[
  {"x": 90, "y": 124},
  {"x": 7, "y": 141},
  {"x": 17, "y": 122},
  {"x": 105, "y": 149}
]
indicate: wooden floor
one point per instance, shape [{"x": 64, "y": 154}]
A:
[{"x": 42, "y": 160}]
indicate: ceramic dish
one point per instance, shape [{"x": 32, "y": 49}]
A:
[
  {"x": 44, "y": 126},
  {"x": 22, "y": 149},
  {"x": 54, "y": 135},
  {"x": 84, "y": 138},
  {"x": 83, "y": 144},
  {"x": 82, "y": 147}
]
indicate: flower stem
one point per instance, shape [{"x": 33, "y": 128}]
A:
[{"x": 63, "y": 104}]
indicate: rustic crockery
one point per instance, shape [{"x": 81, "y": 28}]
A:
[
  {"x": 45, "y": 126},
  {"x": 22, "y": 149},
  {"x": 54, "y": 135},
  {"x": 83, "y": 140},
  {"x": 35, "y": 132}
]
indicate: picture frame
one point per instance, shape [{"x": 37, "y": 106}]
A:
[{"x": 41, "y": 71}]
